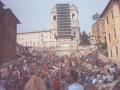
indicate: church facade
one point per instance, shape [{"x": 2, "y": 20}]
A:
[{"x": 64, "y": 33}]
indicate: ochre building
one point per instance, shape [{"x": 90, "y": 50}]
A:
[
  {"x": 98, "y": 32},
  {"x": 111, "y": 15}
]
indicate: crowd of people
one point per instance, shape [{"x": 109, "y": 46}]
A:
[{"x": 55, "y": 72}]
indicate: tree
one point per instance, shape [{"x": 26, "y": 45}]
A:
[
  {"x": 104, "y": 48},
  {"x": 104, "y": 45},
  {"x": 84, "y": 39}
]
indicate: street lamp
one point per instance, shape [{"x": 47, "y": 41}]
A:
[
  {"x": 61, "y": 68},
  {"x": 44, "y": 50}
]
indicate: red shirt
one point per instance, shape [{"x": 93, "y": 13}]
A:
[{"x": 56, "y": 84}]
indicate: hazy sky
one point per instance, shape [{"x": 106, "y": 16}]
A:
[{"x": 35, "y": 14}]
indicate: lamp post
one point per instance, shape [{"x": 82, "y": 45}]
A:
[
  {"x": 44, "y": 50},
  {"x": 61, "y": 69}
]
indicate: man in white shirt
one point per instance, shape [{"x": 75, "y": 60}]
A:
[
  {"x": 2, "y": 82},
  {"x": 74, "y": 81}
]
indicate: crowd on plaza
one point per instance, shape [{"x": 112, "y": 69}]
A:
[{"x": 55, "y": 70}]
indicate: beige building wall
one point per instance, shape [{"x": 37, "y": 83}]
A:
[
  {"x": 98, "y": 28},
  {"x": 34, "y": 39},
  {"x": 111, "y": 14}
]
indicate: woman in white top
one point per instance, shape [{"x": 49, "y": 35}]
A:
[{"x": 74, "y": 81}]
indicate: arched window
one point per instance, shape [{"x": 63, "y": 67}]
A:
[
  {"x": 73, "y": 16},
  {"x": 54, "y": 17},
  {"x": 54, "y": 35}
]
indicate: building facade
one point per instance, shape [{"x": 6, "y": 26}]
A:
[
  {"x": 65, "y": 22},
  {"x": 64, "y": 33},
  {"x": 35, "y": 39},
  {"x": 8, "y": 31},
  {"x": 98, "y": 32},
  {"x": 111, "y": 15}
]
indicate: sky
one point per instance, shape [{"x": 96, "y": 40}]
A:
[{"x": 34, "y": 15}]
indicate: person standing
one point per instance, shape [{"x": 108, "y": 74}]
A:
[
  {"x": 74, "y": 85},
  {"x": 56, "y": 83},
  {"x": 35, "y": 83},
  {"x": 2, "y": 82}
]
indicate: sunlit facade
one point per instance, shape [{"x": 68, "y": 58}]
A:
[
  {"x": 64, "y": 33},
  {"x": 111, "y": 15},
  {"x": 98, "y": 29}
]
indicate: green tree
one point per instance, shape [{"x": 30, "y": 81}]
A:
[
  {"x": 84, "y": 39},
  {"x": 104, "y": 45}
]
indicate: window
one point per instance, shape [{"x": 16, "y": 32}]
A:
[
  {"x": 33, "y": 43},
  {"x": 54, "y": 35},
  {"x": 107, "y": 21},
  {"x": 112, "y": 14},
  {"x": 109, "y": 37},
  {"x": 54, "y": 17},
  {"x": 114, "y": 32},
  {"x": 42, "y": 40},
  {"x": 30, "y": 43},
  {"x": 42, "y": 35},
  {"x": 111, "y": 52},
  {"x": 116, "y": 50},
  {"x": 26, "y": 43},
  {"x": 73, "y": 16},
  {"x": 74, "y": 34}
]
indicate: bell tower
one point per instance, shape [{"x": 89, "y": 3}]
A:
[
  {"x": 75, "y": 29},
  {"x": 53, "y": 23}
]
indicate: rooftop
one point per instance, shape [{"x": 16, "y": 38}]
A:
[
  {"x": 109, "y": 3},
  {"x": 8, "y": 10},
  {"x": 34, "y": 32},
  {"x": 1, "y": 4}
]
